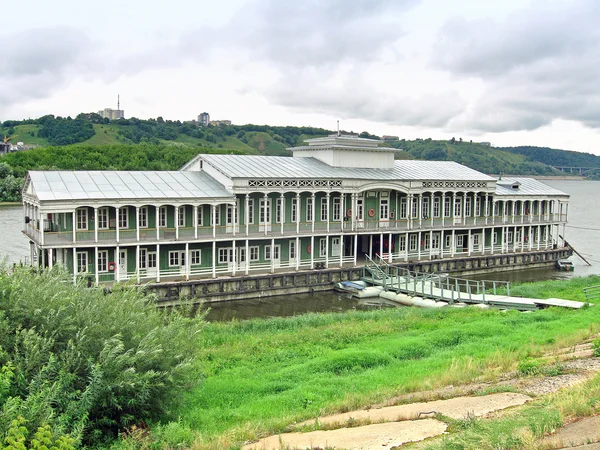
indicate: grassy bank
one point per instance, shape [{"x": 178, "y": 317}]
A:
[{"x": 262, "y": 375}]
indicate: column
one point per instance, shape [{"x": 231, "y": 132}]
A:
[
  {"x": 486, "y": 211},
  {"x": 409, "y": 211},
  {"x": 539, "y": 236},
  {"x": 157, "y": 222},
  {"x": 342, "y": 249},
  {"x": 328, "y": 211},
  {"x": 74, "y": 262},
  {"x": 282, "y": 197},
  {"x": 327, "y": 250},
  {"x": 514, "y": 210},
  {"x": 298, "y": 209},
  {"x": 195, "y": 221},
  {"x": 247, "y": 213},
  {"x": 75, "y": 229},
  {"x": 234, "y": 257},
  {"x": 353, "y": 209},
  {"x": 157, "y": 263},
  {"x": 213, "y": 219},
  {"x": 390, "y": 253},
  {"x": 312, "y": 208},
  {"x": 116, "y": 260},
  {"x": 453, "y": 244},
  {"x": 247, "y": 257},
  {"x": 312, "y": 251},
  {"x": 420, "y": 210},
  {"x": 137, "y": 263},
  {"x": 235, "y": 220},
  {"x": 406, "y": 247},
  {"x": 443, "y": 209},
  {"x": 475, "y": 210},
  {"x": 96, "y": 274},
  {"x": 96, "y": 224},
  {"x": 187, "y": 261},
  {"x": 469, "y": 245},
  {"x": 453, "y": 212},
  {"x": 298, "y": 249},
  {"x": 214, "y": 256},
  {"x": 50, "y": 262},
  {"x": 342, "y": 211},
  {"x": 42, "y": 228},
  {"x": 523, "y": 209},
  {"x": 430, "y": 244},
  {"x": 431, "y": 203},
  {"x": 266, "y": 215},
  {"x": 420, "y": 241},
  {"x": 464, "y": 209},
  {"x": 381, "y": 246},
  {"x": 371, "y": 246},
  {"x": 176, "y": 218},
  {"x": 137, "y": 223},
  {"x": 355, "y": 247}
]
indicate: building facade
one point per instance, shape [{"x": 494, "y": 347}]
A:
[
  {"x": 204, "y": 119},
  {"x": 112, "y": 114},
  {"x": 337, "y": 199}
]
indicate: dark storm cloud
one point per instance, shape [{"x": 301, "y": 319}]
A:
[
  {"x": 538, "y": 65},
  {"x": 36, "y": 63}
]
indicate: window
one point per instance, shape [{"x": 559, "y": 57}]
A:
[
  {"x": 468, "y": 207},
  {"x": 195, "y": 257},
  {"x": 509, "y": 237},
  {"x": 495, "y": 241},
  {"x": 384, "y": 209},
  {"x": 254, "y": 253},
  {"x": 337, "y": 209},
  {"x": 436, "y": 207},
  {"x": 294, "y": 211},
  {"x": 426, "y": 241},
  {"x": 435, "y": 241},
  {"x": 143, "y": 217},
  {"x": 279, "y": 210},
  {"x": 162, "y": 217},
  {"x": 143, "y": 258},
  {"x": 413, "y": 242},
  {"x": 477, "y": 206},
  {"x": 415, "y": 208},
  {"x": 181, "y": 216},
  {"x": 457, "y": 208},
  {"x": 496, "y": 209},
  {"x": 402, "y": 243},
  {"x": 459, "y": 240},
  {"x": 309, "y": 209},
  {"x": 403, "y": 208},
  {"x": 267, "y": 253},
  {"x": 225, "y": 255},
  {"x": 447, "y": 209},
  {"x": 359, "y": 209},
  {"x": 272, "y": 252},
  {"x": 292, "y": 250},
  {"x": 216, "y": 216},
  {"x": 324, "y": 211},
  {"x": 323, "y": 247},
  {"x": 124, "y": 217},
  {"x": 518, "y": 236},
  {"x": 264, "y": 211},
  {"x": 200, "y": 216},
  {"x": 82, "y": 219},
  {"x": 174, "y": 258},
  {"x": 251, "y": 211},
  {"x": 102, "y": 218},
  {"x": 82, "y": 264},
  {"x": 425, "y": 208},
  {"x": 151, "y": 260},
  {"x": 476, "y": 240},
  {"x": 448, "y": 241}
]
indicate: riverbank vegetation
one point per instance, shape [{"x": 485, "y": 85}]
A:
[
  {"x": 80, "y": 365},
  {"x": 93, "y": 366}
]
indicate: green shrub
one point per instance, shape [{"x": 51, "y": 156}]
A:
[
  {"x": 86, "y": 363},
  {"x": 596, "y": 347},
  {"x": 529, "y": 367}
]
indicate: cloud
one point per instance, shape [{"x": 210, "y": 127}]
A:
[
  {"x": 351, "y": 97},
  {"x": 39, "y": 62},
  {"x": 538, "y": 65}
]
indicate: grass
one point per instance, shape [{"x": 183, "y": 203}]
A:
[
  {"x": 23, "y": 134},
  {"x": 106, "y": 134},
  {"x": 263, "y": 375}
]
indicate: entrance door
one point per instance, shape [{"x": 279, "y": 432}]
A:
[
  {"x": 123, "y": 265},
  {"x": 384, "y": 213},
  {"x": 151, "y": 264},
  {"x": 292, "y": 253},
  {"x": 458, "y": 211},
  {"x": 241, "y": 258},
  {"x": 335, "y": 247},
  {"x": 276, "y": 255},
  {"x": 360, "y": 213},
  {"x": 231, "y": 221},
  {"x": 264, "y": 223}
]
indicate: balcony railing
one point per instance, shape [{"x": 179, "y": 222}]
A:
[{"x": 205, "y": 233}]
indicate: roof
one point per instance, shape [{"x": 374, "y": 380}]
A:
[
  {"x": 83, "y": 185},
  {"x": 527, "y": 186},
  {"x": 283, "y": 167}
]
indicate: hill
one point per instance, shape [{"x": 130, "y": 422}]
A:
[{"x": 556, "y": 157}]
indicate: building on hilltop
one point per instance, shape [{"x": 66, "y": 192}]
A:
[
  {"x": 337, "y": 199},
  {"x": 113, "y": 114},
  {"x": 390, "y": 138},
  {"x": 220, "y": 123},
  {"x": 204, "y": 119}
]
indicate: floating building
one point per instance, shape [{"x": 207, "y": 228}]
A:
[{"x": 337, "y": 199}]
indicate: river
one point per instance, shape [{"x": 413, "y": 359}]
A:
[{"x": 583, "y": 233}]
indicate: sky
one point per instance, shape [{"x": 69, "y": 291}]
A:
[{"x": 509, "y": 72}]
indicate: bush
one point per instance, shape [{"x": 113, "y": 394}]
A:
[
  {"x": 596, "y": 347},
  {"x": 529, "y": 367},
  {"x": 86, "y": 363}
]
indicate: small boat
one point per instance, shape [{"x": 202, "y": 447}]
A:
[
  {"x": 358, "y": 289},
  {"x": 565, "y": 265}
]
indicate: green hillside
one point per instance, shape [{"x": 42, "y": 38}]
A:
[{"x": 555, "y": 157}]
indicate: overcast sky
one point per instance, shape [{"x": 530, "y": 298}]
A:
[{"x": 511, "y": 72}]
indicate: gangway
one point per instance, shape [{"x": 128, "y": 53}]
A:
[{"x": 444, "y": 288}]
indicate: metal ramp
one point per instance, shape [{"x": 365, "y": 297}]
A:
[{"x": 441, "y": 287}]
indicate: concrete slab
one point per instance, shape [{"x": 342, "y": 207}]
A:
[
  {"x": 457, "y": 408},
  {"x": 368, "y": 437},
  {"x": 583, "y": 432}
]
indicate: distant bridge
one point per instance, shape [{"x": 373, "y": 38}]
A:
[{"x": 582, "y": 171}]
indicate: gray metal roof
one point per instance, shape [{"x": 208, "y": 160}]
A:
[
  {"x": 282, "y": 167},
  {"x": 82, "y": 185},
  {"x": 527, "y": 187}
]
